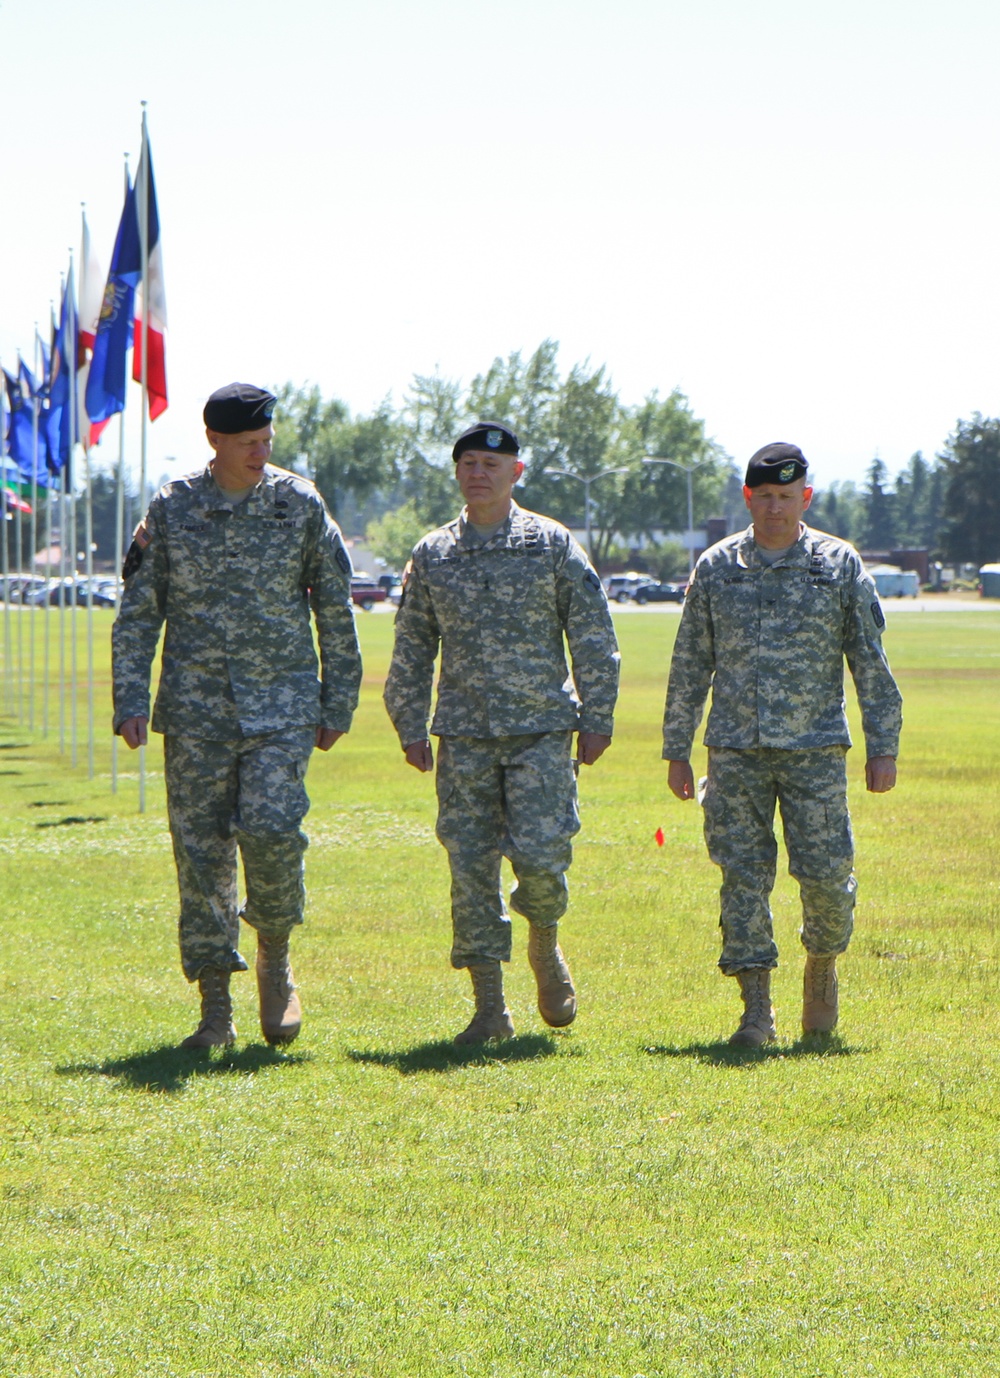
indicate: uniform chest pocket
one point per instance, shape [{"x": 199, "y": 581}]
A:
[{"x": 518, "y": 579}]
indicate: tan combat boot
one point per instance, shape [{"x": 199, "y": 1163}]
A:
[
  {"x": 757, "y": 1025},
  {"x": 492, "y": 1017},
  {"x": 819, "y": 995},
  {"x": 280, "y": 1011},
  {"x": 556, "y": 996},
  {"x": 216, "y": 1029}
]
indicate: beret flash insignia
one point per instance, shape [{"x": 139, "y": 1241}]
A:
[
  {"x": 786, "y": 473},
  {"x": 493, "y": 439}
]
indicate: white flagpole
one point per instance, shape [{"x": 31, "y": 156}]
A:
[
  {"x": 88, "y": 498},
  {"x": 143, "y": 178},
  {"x": 33, "y": 539},
  {"x": 8, "y": 682},
  {"x": 119, "y": 559},
  {"x": 47, "y": 592},
  {"x": 119, "y": 538},
  {"x": 71, "y": 364},
  {"x": 64, "y": 534},
  {"x": 19, "y": 540}
]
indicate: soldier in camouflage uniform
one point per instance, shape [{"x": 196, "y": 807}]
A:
[
  {"x": 233, "y": 559},
  {"x": 498, "y": 590},
  {"x": 769, "y": 618}
]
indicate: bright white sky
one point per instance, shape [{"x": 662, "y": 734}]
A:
[{"x": 787, "y": 208}]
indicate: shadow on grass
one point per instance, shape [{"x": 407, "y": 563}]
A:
[
  {"x": 71, "y": 820},
  {"x": 169, "y": 1068},
  {"x": 723, "y": 1054},
  {"x": 14, "y": 746},
  {"x": 443, "y": 1056}
]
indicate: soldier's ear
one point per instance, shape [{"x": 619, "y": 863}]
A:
[
  {"x": 518, "y": 470},
  {"x": 213, "y": 438},
  {"x": 807, "y": 497}
]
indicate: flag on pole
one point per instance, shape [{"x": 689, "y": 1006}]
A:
[
  {"x": 152, "y": 298},
  {"x": 64, "y": 349},
  {"x": 91, "y": 298},
  {"x": 106, "y": 381},
  {"x": 91, "y": 289}
]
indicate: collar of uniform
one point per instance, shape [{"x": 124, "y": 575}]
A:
[
  {"x": 512, "y": 525},
  {"x": 212, "y": 498},
  {"x": 798, "y": 554}
]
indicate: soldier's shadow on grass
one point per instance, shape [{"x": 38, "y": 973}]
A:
[
  {"x": 168, "y": 1069},
  {"x": 443, "y": 1056},
  {"x": 723, "y": 1054}
]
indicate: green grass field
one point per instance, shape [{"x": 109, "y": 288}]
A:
[{"x": 628, "y": 1197}]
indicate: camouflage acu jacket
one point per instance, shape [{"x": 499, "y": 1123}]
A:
[
  {"x": 500, "y": 612},
  {"x": 235, "y": 583},
  {"x": 771, "y": 642}
]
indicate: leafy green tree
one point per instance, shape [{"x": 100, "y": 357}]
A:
[
  {"x": 393, "y": 536},
  {"x": 343, "y": 455},
  {"x": 656, "y": 496},
  {"x": 971, "y": 526}
]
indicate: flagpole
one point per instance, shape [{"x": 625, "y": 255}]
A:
[
  {"x": 71, "y": 364},
  {"x": 33, "y": 539},
  {"x": 63, "y": 537},
  {"x": 19, "y": 539},
  {"x": 8, "y": 682},
  {"x": 119, "y": 560},
  {"x": 144, "y": 338}
]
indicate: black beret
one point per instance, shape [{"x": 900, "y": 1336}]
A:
[
  {"x": 239, "y": 407},
  {"x": 777, "y": 463},
  {"x": 487, "y": 435}
]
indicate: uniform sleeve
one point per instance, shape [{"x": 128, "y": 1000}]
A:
[
  {"x": 140, "y": 616},
  {"x": 328, "y": 578},
  {"x": 880, "y": 700},
  {"x": 692, "y": 668},
  {"x": 593, "y": 646},
  {"x": 410, "y": 680}
]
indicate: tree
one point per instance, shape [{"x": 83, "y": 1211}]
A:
[
  {"x": 971, "y": 526},
  {"x": 343, "y": 455},
  {"x": 838, "y": 510},
  {"x": 393, "y": 536},
  {"x": 878, "y": 527}
]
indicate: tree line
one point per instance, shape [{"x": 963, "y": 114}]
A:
[{"x": 389, "y": 472}]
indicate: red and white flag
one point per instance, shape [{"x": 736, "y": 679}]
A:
[{"x": 150, "y": 298}]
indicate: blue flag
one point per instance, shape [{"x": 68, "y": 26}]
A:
[
  {"x": 20, "y": 439},
  {"x": 106, "y": 382},
  {"x": 59, "y": 417}
]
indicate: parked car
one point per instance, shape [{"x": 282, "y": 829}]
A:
[
  {"x": 365, "y": 592},
  {"x": 660, "y": 593},
  {"x": 621, "y": 588}
]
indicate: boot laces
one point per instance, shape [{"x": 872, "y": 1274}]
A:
[{"x": 821, "y": 979}]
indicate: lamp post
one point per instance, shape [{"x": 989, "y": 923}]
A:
[
  {"x": 689, "y": 470},
  {"x": 586, "y": 480}
]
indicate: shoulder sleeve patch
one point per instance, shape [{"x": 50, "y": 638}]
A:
[
  {"x": 133, "y": 559},
  {"x": 142, "y": 536},
  {"x": 878, "y": 616},
  {"x": 592, "y": 581},
  {"x": 343, "y": 559}
]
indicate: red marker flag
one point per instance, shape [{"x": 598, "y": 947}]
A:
[{"x": 659, "y": 837}]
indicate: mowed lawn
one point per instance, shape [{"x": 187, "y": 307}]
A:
[{"x": 627, "y": 1197}]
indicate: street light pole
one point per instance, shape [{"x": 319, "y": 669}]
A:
[
  {"x": 586, "y": 480},
  {"x": 689, "y": 470}
]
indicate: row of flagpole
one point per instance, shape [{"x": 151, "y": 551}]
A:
[{"x": 76, "y": 388}]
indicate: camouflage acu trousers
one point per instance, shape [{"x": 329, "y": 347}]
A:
[
  {"x": 497, "y": 797},
  {"x": 249, "y": 793},
  {"x": 811, "y": 790}
]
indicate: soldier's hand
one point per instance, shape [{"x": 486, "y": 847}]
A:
[
  {"x": 590, "y": 746},
  {"x": 420, "y": 755},
  {"x": 680, "y": 778},
  {"x": 880, "y": 774},
  {"x": 326, "y": 736},
  {"x": 133, "y": 732}
]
